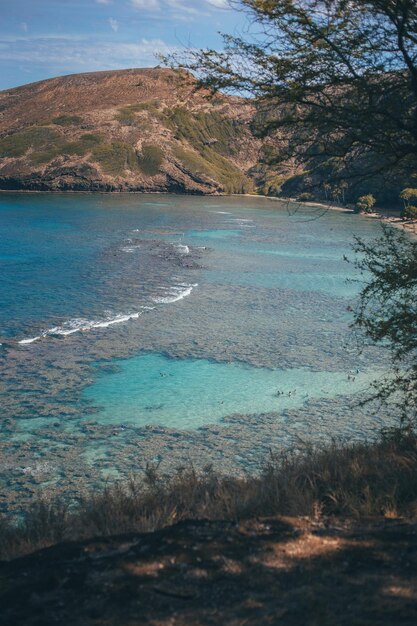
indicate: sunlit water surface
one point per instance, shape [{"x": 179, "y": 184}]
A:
[{"x": 138, "y": 328}]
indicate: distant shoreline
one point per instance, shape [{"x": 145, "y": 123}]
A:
[{"x": 395, "y": 222}]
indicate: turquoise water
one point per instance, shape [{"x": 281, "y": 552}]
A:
[
  {"x": 189, "y": 393},
  {"x": 135, "y": 327}
]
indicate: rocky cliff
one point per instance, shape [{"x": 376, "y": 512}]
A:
[{"x": 128, "y": 130}]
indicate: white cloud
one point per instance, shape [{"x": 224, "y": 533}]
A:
[
  {"x": 59, "y": 55},
  {"x": 24, "y": 27},
  {"x": 114, "y": 24},
  {"x": 219, "y": 4},
  {"x": 179, "y": 6},
  {"x": 146, "y": 4},
  {"x": 104, "y": 1}
]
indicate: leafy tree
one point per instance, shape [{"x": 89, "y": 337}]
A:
[
  {"x": 409, "y": 212},
  {"x": 335, "y": 83},
  {"x": 365, "y": 204},
  {"x": 408, "y": 194},
  {"x": 336, "y": 79},
  {"x": 387, "y": 313}
]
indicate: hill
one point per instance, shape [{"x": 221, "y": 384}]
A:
[{"x": 128, "y": 130}]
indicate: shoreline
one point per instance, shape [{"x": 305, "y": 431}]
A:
[
  {"x": 395, "y": 222},
  {"x": 319, "y": 205}
]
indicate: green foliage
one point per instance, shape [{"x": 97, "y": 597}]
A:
[
  {"x": 84, "y": 144},
  {"x": 272, "y": 183},
  {"x": 79, "y": 147},
  {"x": 193, "y": 162},
  {"x": 408, "y": 194},
  {"x": 332, "y": 79},
  {"x": 213, "y": 166},
  {"x": 211, "y": 134},
  {"x": 45, "y": 155},
  {"x": 45, "y": 144},
  {"x": 305, "y": 197},
  {"x": 387, "y": 313},
  {"x": 127, "y": 115},
  {"x": 204, "y": 129},
  {"x": 68, "y": 120},
  {"x": 150, "y": 160},
  {"x": 365, "y": 204},
  {"x": 36, "y": 138},
  {"x": 115, "y": 157},
  {"x": 147, "y": 105},
  {"x": 409, "y": 212}
]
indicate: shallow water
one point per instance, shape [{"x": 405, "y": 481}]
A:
[
  {"x": 189, "y": 393},
  {"x": 139, "y": 327}
]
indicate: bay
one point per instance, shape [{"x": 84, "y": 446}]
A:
[{"x": 172, "y": 329}]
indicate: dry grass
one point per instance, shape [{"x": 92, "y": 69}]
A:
[{"x": 358, "y": 480}]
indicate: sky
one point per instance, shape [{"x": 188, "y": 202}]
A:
[{"x": 44, "y": 38}]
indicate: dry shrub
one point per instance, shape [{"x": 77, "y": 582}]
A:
[{"x": 356, "y": 480}]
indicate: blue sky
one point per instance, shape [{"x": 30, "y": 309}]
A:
[{"x": 45, "y": 38}]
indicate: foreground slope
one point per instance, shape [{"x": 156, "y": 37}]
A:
[
  {"x": 261, "y": 572},
  {"x": 128, "y": 130}
]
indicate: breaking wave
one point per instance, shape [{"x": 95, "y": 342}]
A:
[
  {"x": 177, "y": 292},
  {"x": 174, "y": 294}
]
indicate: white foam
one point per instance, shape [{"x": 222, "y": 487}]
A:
[
  {"x": 130, "y": 248},
  {"x": 180, "y": 291},
  {"x": 25, "y": 341},
  {"x": 182, "y": 249},
  {"x": 177, "y": 292},
  {"x": 81, "y": 325}
]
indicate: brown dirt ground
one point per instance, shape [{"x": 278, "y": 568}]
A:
[{"x": 261, "y": 572}]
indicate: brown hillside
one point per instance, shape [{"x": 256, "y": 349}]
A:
[{"x": 128, "y": 130}]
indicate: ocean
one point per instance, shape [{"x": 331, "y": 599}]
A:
[{"x": 166, "y": 329}]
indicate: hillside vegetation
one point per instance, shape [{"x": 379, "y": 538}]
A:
[
  {"x": 144, "y": 130},
  {"x": 151, "y": 130}
]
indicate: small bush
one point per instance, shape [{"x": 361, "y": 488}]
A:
[
  {"x": 127, "y": 115},
  {"x": 68, "y": 120},
  {"x": 365, "y": 204},
  {"x": 305, "y": 197},
  {"x": 147, "y": 105},
  {"x": 86, "y": 143},
  {"x": 409, "y": 212}
]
